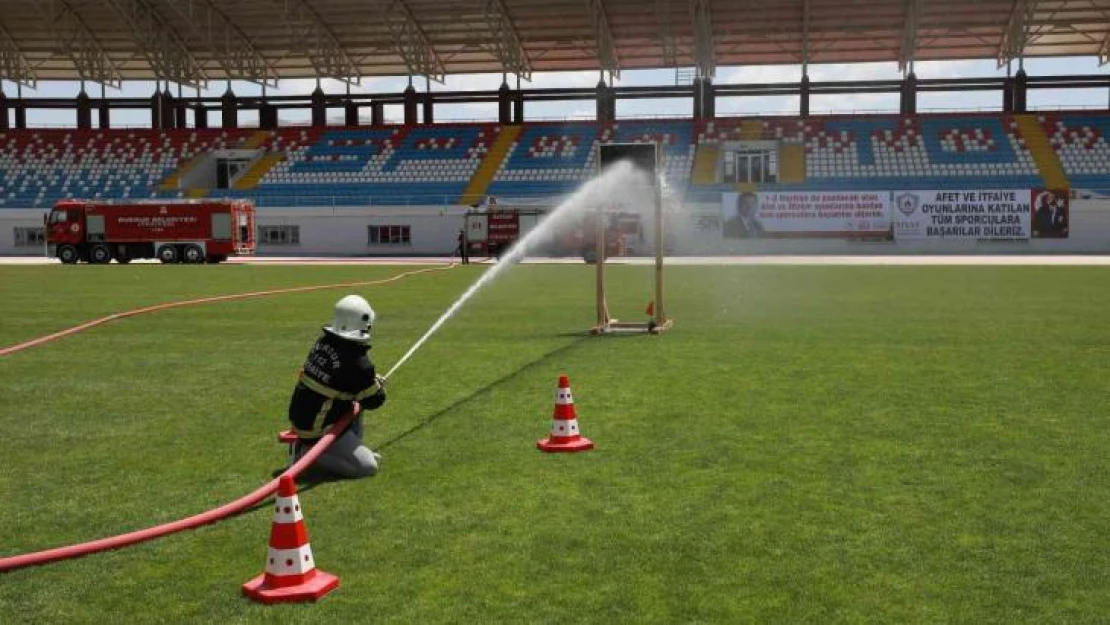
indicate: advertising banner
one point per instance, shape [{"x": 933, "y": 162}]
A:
[
  {"x": 829, "y": 214},
  {"x": 980, "y": 215}
]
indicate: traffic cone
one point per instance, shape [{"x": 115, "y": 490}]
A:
[
  {"x": 650, "y": 309},
  {"x": 291, "y": 574},
  {"x": 564, "y": 426}
]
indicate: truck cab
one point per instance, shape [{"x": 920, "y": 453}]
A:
[{"x": 65, "y": 230}]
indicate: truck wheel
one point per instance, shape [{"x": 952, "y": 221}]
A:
[
  {"x": 100, "y": 254},
  {"x": 167, "y": 254},
  {"x": 193, "y": 254},
  {"x": 68, "y": 254}
]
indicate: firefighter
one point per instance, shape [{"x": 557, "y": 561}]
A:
[
  {"x": 337, "y": 373},
  {"x": 462, "y": 249}
]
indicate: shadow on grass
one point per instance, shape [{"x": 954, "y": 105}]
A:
[
  {"x": 579, "y": 339},
  {"x": 313, "y": 477}
]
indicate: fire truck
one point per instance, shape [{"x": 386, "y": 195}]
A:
[
  {"x": 493, "y": 232},
  {"x": 178, "y": 231}
]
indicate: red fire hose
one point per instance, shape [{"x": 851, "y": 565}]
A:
[
  {"x": 217, "y": 514},
  {"x": 204, "y": 300}
]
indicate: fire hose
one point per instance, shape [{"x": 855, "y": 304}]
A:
[
  {"x": 197, "y": 520},
  {"x": 230, "y": 509}
]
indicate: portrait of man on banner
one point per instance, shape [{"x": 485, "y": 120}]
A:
[
  {"x": 743, "y": 221},
  {"x": 1050, "y": 214}
]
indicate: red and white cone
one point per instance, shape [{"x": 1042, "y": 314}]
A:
[
  {"x": 565, "y": 435},
  {"x": 291, "y": 574}
]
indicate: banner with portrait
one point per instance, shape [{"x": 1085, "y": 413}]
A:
[
  {"x": 979, "y": 215},
  {"x": 824, "y": 214}
]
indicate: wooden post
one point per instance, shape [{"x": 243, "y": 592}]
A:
[
  {"x": 660, "y": 316},
  {"x": 602, "y": 307}
]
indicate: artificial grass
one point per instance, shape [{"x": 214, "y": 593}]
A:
[{"x": 808, "y": 444}]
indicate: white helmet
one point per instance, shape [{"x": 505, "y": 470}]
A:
[{"x": 353, "y": 319}]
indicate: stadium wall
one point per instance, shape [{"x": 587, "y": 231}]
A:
[{"x": 433, "y": 230}]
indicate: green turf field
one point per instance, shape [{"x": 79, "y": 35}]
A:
[{"x": 809, "y": 444}]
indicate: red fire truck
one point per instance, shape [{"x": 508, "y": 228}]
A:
[{"x": 178, "y": 231}]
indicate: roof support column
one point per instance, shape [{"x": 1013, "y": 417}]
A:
[
  {"x": 179, "y": 110},
  {"x": 504, "y": 102},
  {"x": 168, "y": 111},
  {"x": 84, "y": 109},
  {"x": 708, "y": 98},
  {"x": 908, "y": 99},
  {"x": 803, "y": 88},
  {"x": 803, "y": 92},
  {"x": 428, "y": 105},
  {"x": 319, "y": 107},
  {"x": 1008, "y": 91},
  {"x": 3, "y": 109},
  {"x": 1021, "y": 85},
  {"x": 697, "y": 98},
  {"x": 156, "y": 107},
  {"x": 410, "y": 98},
  {"x": 104, "y": 110},
  {"x": 229, "y": 108},
  {"x": 600, "y": 104},
  {"x": 20, "y": 108}
]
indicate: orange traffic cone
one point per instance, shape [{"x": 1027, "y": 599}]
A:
[
  {"x": 564, "y": 426},
  {"x": 291, "y": 574},
  {"x": 650, "y": 309}
]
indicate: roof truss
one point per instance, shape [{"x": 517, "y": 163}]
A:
[
  {"x": 310, "y": 35},
  {"x": 606, "y": 50},
  {"x": 666, "y": 32},
  {"x": 908, "y": 48},
  {"x": 705, "y": 62},
  {"x": 412, "y": 44},
  {"x": 13, "y": 65},
  {"x": 233, "y": 49},
  {"x": 506, "y": 41},
  {"x": 160, "y": 43},
  {"x": 1016, "y": 34},
  {"x": 76, "y": 41}
]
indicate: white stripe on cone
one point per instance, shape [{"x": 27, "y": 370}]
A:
[
  {"x": 563, "y": 397},
  {"x": 564, "y": 428},
  {"x": 287, "y": 510},
  {"x": 290, "y": 561}
]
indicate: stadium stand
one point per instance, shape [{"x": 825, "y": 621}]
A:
[
  {"x": 552, "y": 159},
  {"x": 890, "y": 152},
  {"x": 39, "y": 167},
  {"x": 1081, "y": 143},
  {"x": 375, "y": 166},
  {"x": 446, "y": 164}
]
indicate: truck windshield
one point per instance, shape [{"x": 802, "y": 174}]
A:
[{"x": 57, "y": 217}]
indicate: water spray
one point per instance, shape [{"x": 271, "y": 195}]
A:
[{"x": 621, "y": 184}]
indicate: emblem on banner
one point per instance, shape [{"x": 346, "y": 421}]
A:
[{"x": 907, "y": 203}]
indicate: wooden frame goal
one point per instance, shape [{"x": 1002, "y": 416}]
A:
[{"x": 646, "y": 156}]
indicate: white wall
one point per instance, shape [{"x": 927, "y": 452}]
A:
[{"x": 434, "y": 231}]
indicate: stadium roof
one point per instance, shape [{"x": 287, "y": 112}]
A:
[{"x": 194, "y": 41}]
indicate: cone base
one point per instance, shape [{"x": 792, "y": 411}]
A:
[
  {"x": 550, "y": 446},
  {"x": 313, "y": 590}
]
